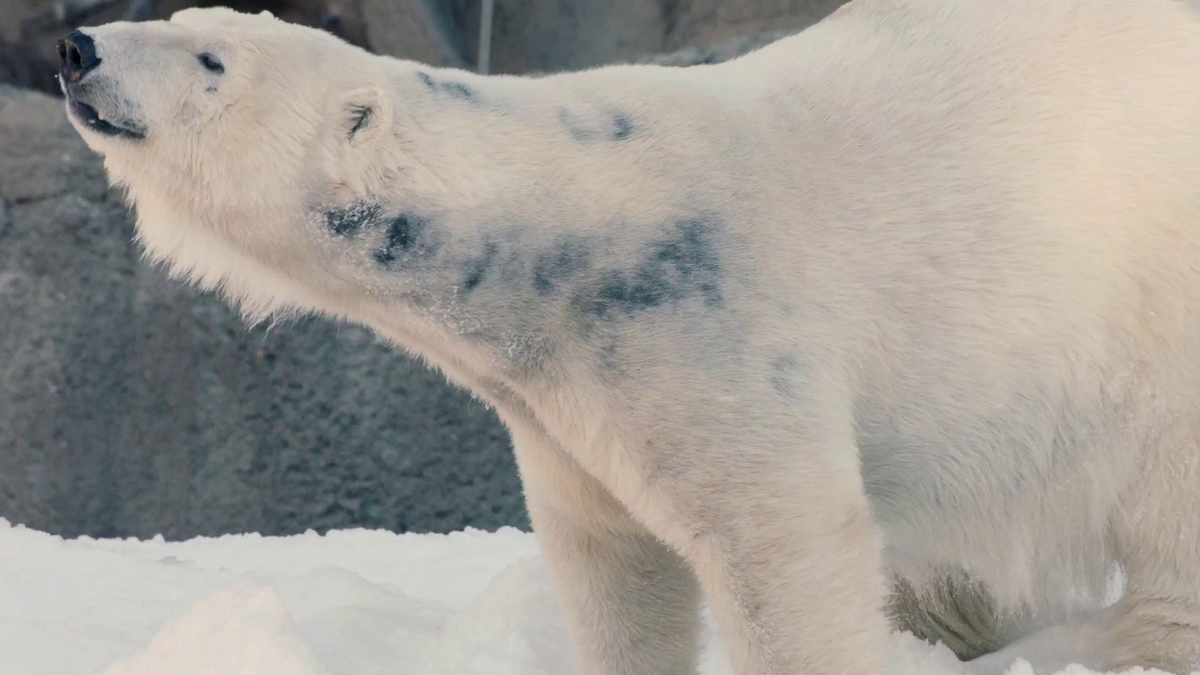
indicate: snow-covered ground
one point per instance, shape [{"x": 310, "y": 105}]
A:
[{"x": 351, "y": 602}]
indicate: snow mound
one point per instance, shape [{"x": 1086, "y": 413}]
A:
[{"x": 351, "y": 602}]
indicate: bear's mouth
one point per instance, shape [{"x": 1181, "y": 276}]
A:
[{"x": 90, "y": 117}]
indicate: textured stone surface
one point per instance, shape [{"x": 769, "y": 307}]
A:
[
  {"x": 422, "y": 30},
  {"x": 132, "y": 405},
  {"x": 703, "y": 22},
  {"x": 549, "y": 35}
]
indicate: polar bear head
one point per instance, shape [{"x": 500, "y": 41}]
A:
[{"x": 225, "y": 129}]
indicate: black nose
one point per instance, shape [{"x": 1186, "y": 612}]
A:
[{"x": 78, "y": 54}]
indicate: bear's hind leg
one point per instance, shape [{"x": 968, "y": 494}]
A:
[{"x": 1156, "y": 623}]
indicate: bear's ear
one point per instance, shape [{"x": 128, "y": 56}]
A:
[{"x": 364, "y": 115}]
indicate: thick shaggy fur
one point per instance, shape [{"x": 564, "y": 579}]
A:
[{"x": 913, "y": 293}]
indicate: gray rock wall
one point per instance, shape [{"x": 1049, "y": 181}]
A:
[
  {"x": 133, "y": 405},
  {"x": 548, "y": 35}
]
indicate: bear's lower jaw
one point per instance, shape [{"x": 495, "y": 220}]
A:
[{"x": 90, "y": 118}]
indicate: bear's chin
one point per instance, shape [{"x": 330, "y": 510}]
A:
[{"x": 89, "y": 118}]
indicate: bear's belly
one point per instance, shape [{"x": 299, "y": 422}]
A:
[{"x": 1012, "y": 493}]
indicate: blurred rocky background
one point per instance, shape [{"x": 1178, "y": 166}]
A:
[{"x": 131, "y": 405}]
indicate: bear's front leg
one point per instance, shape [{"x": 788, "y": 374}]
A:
[
  {"x": 631, "y": 603},
  {"x": 781, "y": 539}
]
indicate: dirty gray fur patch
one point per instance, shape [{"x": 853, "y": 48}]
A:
[
  {"x": 456, "y": 90},
  {"x": 683, "y": 265},
  {"x": 622, "y": 127},
  {"x": 784, "y": 371},
  {"x": 403, "y": 236},
  {"x": 565, "y": 260},
  {"x": 478, "y": 268},
  {"x": 611, "y": 127},
  {"x": 349, "y": 221}
]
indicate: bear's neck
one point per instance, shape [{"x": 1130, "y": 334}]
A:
[{"x": 530, "y": 218}]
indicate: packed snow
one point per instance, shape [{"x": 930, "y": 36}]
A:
[{"x": 350, "y": 602}]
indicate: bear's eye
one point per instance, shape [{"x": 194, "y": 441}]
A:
[{"x": 211, "y": 63}]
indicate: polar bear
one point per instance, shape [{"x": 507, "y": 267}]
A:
[{"x": 895, "y": 321}]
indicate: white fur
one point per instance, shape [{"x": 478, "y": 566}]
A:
[{"x": 914, "y": 293}]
